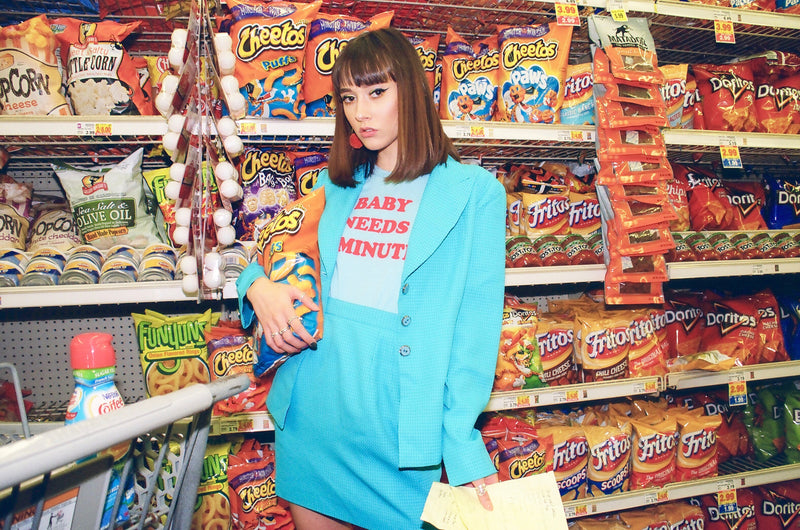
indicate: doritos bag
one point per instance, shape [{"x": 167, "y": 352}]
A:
[
  {"x": 288, "y": 250},
  {"x": 728, "y": 96}
]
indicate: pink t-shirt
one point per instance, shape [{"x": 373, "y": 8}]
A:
[{"x": 372, "y": 249}]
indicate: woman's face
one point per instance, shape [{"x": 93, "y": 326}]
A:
[{"x": 372, "y": 113}]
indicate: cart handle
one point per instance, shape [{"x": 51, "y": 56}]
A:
[{"x": 29, "y": 458}]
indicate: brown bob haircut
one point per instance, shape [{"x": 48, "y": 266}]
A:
[{"x": 376, "y": 57}]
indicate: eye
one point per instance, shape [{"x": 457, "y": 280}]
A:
[
  {"x": 377, "y": 92},
  {"x": 347, "y": 98}
]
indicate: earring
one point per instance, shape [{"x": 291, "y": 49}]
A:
[{"x": 355, "y": 141}]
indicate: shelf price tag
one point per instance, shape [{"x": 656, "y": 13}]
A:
[
  {"x": 648, "y": 387},
  {"x": 723, "y": 29},
  {"x": 659, "y": 496},
  {"x": 737, "y": 390},
  {"x": 93, "y": 129},
  {"x": 567, "y": 13},
  {"x": 729, "y": 152},
  {"x": 617, "y": 10},
  {"x": 247, "y": 128},
  {"x": 726, "y": 501}
]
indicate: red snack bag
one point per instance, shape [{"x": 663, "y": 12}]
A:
[
  {"x": 520, "y": 253},
  {"x": 288, "y": 251},
  {"x": 645, "y": 355},
  {"x": 786, "y": 243},
  {"x": 744, "y": 518},
  {"x": 251, "y": 479},
  {"x": 728, "y": 96},
  {"x": 692, "y": 117},
  {"x": 230, "y": 351},
  {"x": 108, "y": 82},
  {"x": 642, "y": 211},
  {"x": 769, "y": 327},
  {"x": 747, "y": 199},
  {"x": 709, "y": 205},
  {"x": 636, "y": 268},
  {"x": 629, "y": 46},
  {"x": 612, "y": 113},
  {"x": 777, "y": 106},
  {"x": 655, "y": 239},
  {"x": 766, "y": 246},
  {"x": 517, "y": 448},
  {"x": 634, "y": 171},
  {"x": 635, "y": 143},
  {"x": 633, "y": 293},
  {"x": 778, "y": 506},
  {"x": 732, "y": 437},
  {"x": 678, "y": 194},
  {"x": 673, "y": 92},
  {"x": 685, "y": 322},
  {"x": 731, "y": 328}
]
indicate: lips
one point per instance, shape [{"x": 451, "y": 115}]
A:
[{"x": 367, "y": 133}]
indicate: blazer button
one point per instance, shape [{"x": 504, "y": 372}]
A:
[
  {"x": 405, "y": 350},
  {"x": 404, "y": 290},
  {"x": 406, "y": 320}
]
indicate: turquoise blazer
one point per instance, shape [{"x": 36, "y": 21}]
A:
[{"x": 449, "y": 315}]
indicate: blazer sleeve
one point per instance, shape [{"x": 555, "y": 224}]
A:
[
  {"x": 470, "y": 375},
  {"x": 250, "y": 274}
]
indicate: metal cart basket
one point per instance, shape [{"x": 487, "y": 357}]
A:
[{"x": 59, "y": 478}]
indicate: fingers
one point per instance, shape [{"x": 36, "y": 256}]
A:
[{"x": 483, "y": 493}]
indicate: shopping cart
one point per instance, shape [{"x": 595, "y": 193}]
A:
[{"x": 59, "y": 478}]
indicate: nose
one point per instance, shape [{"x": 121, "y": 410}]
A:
[{"x": 361, "y": 110}]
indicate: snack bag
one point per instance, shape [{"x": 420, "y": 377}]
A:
[
  {"x": 555, "y": 336},
  {"x": 428, "y": 49},
  {"x": 28, "y": 53},
  {"x": 288, "y": 250},
  {"x": 629, "y": 47},
  {"x": 173, "y": 350},
  {"x": 791, "y": 421},
  {"x": 251, "y": 479},
  {"x": 578, "y": 105},
  {"x": 728, "y": 96},
  {"x": 267, "y": 185},
  {"x": 763, "y": 418},
  {"x": 307, "y": 165},
  {"x": 517, "y": 448},
  {"x": 673, "y": 92},
  {"x": 533, "y": 68},
  {"x": 213, "y": 507},
  {"x": 469, "y": 79},
  {"x": 570, "y": 460},
  {"x": 778, "y": 506},
  {"x": 269, "y": 42},
  {"x": 230, "y": 351},
  {"x": 519, "y": 363},
  {"x": 609, "y": 467},
  {"x": 654, "y": 451},
  {"x": 697, "y": 446},
  {"x": 327, "y": 36},
  {"x": 744, "y": 518},
  {"x": 101, "y": 78},
  {"x": 604, "y": 346}
]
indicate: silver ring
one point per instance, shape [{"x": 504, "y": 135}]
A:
[
  {"x": 284, "y": 330},
  {"x": 481, "y": 489},
  {"x": 273, "y": 335}
]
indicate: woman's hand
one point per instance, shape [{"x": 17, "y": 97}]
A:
[
  {"x": 483, "y": 495},
  {"x": 273, "y": 303}
]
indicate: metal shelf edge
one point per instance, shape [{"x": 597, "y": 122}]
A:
[{"x": 756, "y": 372}]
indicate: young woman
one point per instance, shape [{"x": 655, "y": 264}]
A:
[{"x": 412, "y": 272}]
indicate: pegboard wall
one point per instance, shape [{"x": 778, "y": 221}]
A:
[{"x": 37, "y": 343}]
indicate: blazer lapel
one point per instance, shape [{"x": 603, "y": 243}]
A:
[{"x": 443, "y": 201}]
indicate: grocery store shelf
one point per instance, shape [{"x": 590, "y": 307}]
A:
[
  {"x": 241, "y": 423},
  {"x": 82, "y": 126},
  {"x": 520, "y": 399},
  {"x": 711, "y": 12},
  {"x": 701, "y": 379},
  {"x": 716, "y": 269},
  {"x": 555, "y": 275},
  {"x": 691, "y": 137},
  {"x": 734, "y": 474}
]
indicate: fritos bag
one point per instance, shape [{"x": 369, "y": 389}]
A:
[
  {"x": 609, "y": 467},
  {"x": 570, "y": 458},
  {"x": 654, "y": 451},
  {"x": 697, "y": 447},
  {"x": 288, "y": 250}
]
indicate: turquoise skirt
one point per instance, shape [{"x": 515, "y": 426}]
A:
[{"x": 338, "y": 451}]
